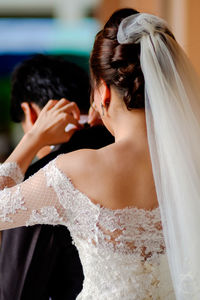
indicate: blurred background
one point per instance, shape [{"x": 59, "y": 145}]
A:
[{"x": 68, "y": 28}]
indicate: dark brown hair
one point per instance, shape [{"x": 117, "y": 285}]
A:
[{"x": 118, "y": 64}]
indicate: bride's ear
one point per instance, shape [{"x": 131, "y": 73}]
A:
[{"x": 105, "y": 94}]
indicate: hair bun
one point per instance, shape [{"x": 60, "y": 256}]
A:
[{"x": 118, "y": 65}]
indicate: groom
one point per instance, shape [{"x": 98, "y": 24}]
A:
[{"x": 40, "y": 262}]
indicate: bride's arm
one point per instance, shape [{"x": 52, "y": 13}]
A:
[
  {"x": 31, "y": 202},
  {"x": 35, "y": 201},
  {"x": 48, "y": 129}
]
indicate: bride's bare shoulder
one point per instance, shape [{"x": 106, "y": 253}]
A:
[
  {"x": 88, "y": 161},
  {"x": 78, "y": 161}
]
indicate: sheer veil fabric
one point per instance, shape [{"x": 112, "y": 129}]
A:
[{"x": 172, "y": 104}]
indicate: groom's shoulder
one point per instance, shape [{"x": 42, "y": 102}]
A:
[{"x": 91, "y": 137}]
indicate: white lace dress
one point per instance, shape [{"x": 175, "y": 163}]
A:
[{"x": 122, "y": 251}]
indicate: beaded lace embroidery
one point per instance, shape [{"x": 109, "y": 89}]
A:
[
  {"x": 46, "y": 215},
  {"x": 11, "y": 170},
  {"x": 10, "y": 203}
]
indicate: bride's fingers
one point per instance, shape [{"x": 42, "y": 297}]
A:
[
  {"x": 61, "y": 103},
  {"x": 69, "y": 119},
  {"x": 67, "y": 106},
  {"x": 55, "y": 104},
  {"x": 71, "y": 108},
  {"x": 94, "y": 117},
  {"x": 50, "y": 104}
]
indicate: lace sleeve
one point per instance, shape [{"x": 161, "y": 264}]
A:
[
  {"x": 10, "y": 175},
  {"x": 32, "y": 202}
]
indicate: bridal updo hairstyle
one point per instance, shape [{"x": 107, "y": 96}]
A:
[{"x": 118, "y": 64}]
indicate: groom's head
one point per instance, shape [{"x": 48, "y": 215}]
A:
[{"x": 41, "y": 78}]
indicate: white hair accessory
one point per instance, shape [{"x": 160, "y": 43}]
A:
[{"x": 132, "y": 28}]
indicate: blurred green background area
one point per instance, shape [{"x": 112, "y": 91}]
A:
[
  {"x": 4, "y": 101},
  {"x": 21, "y": 38}
]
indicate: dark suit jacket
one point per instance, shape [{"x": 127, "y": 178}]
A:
[{"x": 39, "y": 262}]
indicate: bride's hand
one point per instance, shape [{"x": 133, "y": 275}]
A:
[
  {"x": 48, "y": 129},
  {"x": 55, "y": 116},
  {"x": 94, "y": 117}
]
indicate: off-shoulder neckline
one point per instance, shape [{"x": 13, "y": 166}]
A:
[{"x": 99, "y": 206}]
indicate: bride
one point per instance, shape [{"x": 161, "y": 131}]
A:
[{"x": 114, "y": 199}]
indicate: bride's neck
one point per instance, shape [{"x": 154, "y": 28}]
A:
[{"x": 130, "y": 125}]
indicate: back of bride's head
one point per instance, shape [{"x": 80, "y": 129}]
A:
[
  {"x": 118, "y": 65},
  {"x": 116, "y": 53}
]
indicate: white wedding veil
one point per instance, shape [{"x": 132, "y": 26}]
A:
[{"x": 172, "y": 106}]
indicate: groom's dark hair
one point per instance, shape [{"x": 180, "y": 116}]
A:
[{"x": 44, "y": 77}]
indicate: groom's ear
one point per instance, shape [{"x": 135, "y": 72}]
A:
[{"x": 31, "y": 113}]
